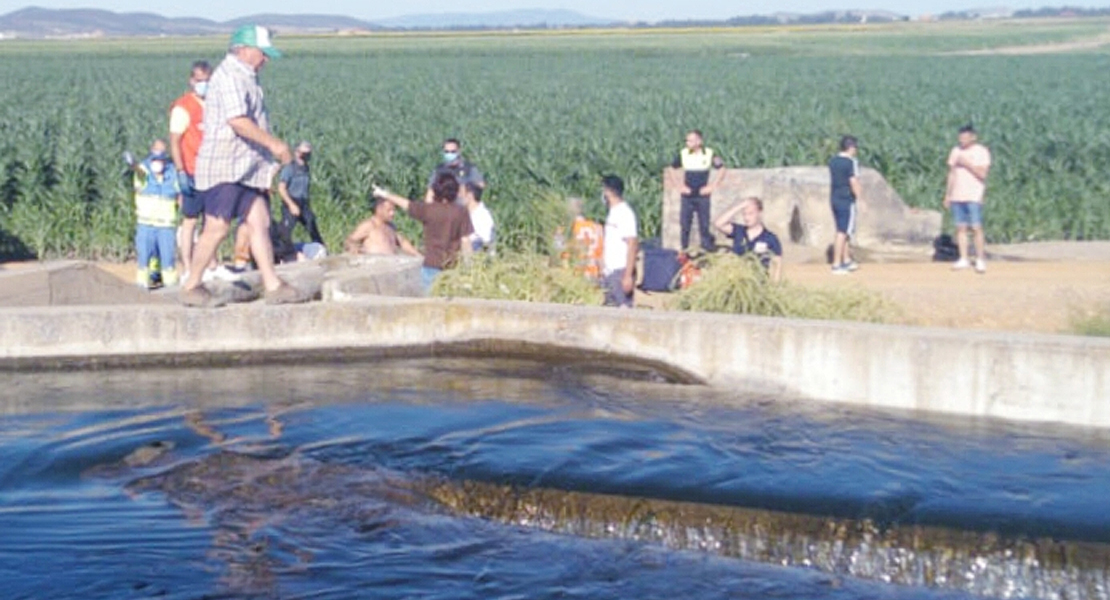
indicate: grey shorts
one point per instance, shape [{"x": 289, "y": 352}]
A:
[{"x": 614, "y": 290}]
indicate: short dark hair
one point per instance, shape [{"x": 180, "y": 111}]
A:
[
  {"x": 614, "y": 184},
  {"x": 697, "y": 132},
  {"x": 445, "y": 188},
  {"x": 848, "y": 141},
  {"x": 969, "y": 128},
  {"x": 474, "y": 189},
  {"x": 201, "y": 65},
  {"x": 454, "y": 141}
]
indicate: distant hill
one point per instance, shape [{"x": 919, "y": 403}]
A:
[
  {"x": 525, "y": 18},
  {"x": 36, "y": 22}
]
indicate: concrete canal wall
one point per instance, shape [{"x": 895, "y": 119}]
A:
[{"x": 1022, "y": 377}]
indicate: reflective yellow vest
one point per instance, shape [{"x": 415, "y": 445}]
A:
[
  {"x": 156, "y": 200},
  {"x": 702, "y": 161}
]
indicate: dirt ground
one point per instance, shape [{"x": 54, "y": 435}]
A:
[
  {"x": 1014, "y": 295},
  {"x": 1035, "y": 288}
]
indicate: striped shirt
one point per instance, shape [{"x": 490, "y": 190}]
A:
[{"x": 224, "y": 157}]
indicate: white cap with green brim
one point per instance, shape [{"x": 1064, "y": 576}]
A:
[{"x": 255, "y": 36}]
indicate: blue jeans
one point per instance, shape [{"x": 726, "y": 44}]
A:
[{"x": 428, "y": 277}]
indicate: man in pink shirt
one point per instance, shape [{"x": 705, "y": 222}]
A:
[{"x": 968, "y": 166}]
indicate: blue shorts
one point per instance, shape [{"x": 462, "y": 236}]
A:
[
  {"x": 192, "y": 205},
  {"x": 967, "y": 214},
  {"x": 229, "y": 201},
  {"x": 844, "y": 213}
]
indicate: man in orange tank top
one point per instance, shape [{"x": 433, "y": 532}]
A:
[{"x": 186, "y": 132}]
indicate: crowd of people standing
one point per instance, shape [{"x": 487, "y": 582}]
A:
[{"x": 222, "y": 160}]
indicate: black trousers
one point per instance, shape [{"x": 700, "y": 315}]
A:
[
  {"x": 306, "y": 218},
  {"x": 696, "y": 205}
]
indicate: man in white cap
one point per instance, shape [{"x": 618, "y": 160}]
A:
[{"x": 235, "y": 166}]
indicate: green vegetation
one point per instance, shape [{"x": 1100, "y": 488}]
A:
[
  {"x": 737, "y": 285},
  {"x": 1095, "y": 325},
  {"x": 545, "y": 115},
  {"x": 527, "y": 277}
]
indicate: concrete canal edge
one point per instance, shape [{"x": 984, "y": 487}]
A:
[{"x": 1056, "y": 379}]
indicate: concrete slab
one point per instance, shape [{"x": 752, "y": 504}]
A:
[
  {"x": 796, "y": 208},
  {"x": 1055, "y": 379},
  {"x": 68, "y": 283}
]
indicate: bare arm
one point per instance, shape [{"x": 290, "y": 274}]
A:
[
  {"x": 353, "y": 243},
  {"x": 979, "y": 171},
  {"x": 715, "y": 180},
  {"x": 776, "y": 269},
  {"x": 286, "y": 199},
  {"x": 399, "y": 201},
  {"x": 629, "y": 281},
  {"x": 857, "y": 188},
  {"x": 175, "y": 152},
  {"x": 247, "y": 129},
  {"x": 406, "y": 246},
  {"x": 948, "y": 188},
  {"x": 724, "y": 222}
]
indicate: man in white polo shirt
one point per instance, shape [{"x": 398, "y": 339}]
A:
[{"x": 621, "y": 245}]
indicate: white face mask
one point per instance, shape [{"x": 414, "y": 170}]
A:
[
  {"x": 200, "y": 88},
  {"x": 157, "y": 167}
]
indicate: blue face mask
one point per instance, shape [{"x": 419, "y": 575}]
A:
[
  {"x": 450, "y": 156},
  {"x": 200, "y": 88}
]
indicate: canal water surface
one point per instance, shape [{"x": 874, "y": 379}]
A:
[{"x": 506, "y": 478}]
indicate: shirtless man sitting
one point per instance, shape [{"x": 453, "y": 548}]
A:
[{"x": 377, "y": 235}]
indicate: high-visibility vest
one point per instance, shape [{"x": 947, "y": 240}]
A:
[
  {"x": 700, "y": 161},
  {"x": 156, "y": 200},
  {"x": 190, "y": 140}
]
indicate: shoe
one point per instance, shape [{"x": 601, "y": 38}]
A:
[
  {"x": 222, "y": 273},
  {"x": 286, "y": 294},
  {"x": 199, "y": 297},
  {"x": 841, "y": 270},
  {"x": 980, "y": 266},
  {"x": 851, "y": 266},
  {"x": 961, "y": 264}
]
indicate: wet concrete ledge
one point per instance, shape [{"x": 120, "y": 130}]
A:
[{"x": 1019, "y": 377}]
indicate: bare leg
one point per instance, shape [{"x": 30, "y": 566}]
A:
[
  {"x": 188, "y": 227},
  {"x": 258, "y": 221},
  {"x": 961, "y": 241},
  {"x": 215, "y": 230},
  {"x": 980, "y": 243}
]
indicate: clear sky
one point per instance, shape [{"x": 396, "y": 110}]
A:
[{"x": 645, "y": 10}]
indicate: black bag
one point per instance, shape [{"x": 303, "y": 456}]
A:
[
  {"x": 945, "y": 250},
  {"x": 661, "y": 268}
]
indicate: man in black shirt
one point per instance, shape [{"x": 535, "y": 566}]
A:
[
  {"x": 696, "y": 179},
  {"x": 845, "y": 192},
  {"x": 461, "y": 169}
]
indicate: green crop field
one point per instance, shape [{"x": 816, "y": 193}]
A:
[{"x": 545, "y": 115}]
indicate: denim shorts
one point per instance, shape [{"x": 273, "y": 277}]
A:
[{"x": 968, "y": 214}]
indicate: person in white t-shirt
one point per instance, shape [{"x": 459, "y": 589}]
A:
[
  {"x": 480, "y": 217},
  {"x": 621, "y": 245}
]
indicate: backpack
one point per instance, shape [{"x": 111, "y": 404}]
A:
[
  {"x": 661, "y": 267},
  {"x": 945, "y": 250}
]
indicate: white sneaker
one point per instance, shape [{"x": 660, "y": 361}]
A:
[
  {"x": 961, "y": 265},
  {"x": 980, "y": 266}
]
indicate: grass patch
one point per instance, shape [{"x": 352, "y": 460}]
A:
[
  {"x": 736, "y": 285},
  {"x": 520, "y": 277},
  {"x": 1094, "y": 325}
]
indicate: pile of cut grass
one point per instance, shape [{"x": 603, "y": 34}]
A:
[
  {"x": 520, "y": 277},
  {"x": 739, "y": 285}
]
